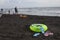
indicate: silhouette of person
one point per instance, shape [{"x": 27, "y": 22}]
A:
[
  {"x": 16, "y": 10},
  {"x": 1, "y": 10},
  {"x": 9, "y": 11}
]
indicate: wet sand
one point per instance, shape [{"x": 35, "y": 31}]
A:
[{"x": 13, "y": 27}]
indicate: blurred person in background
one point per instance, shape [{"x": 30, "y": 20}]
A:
[{"x": 16, "y": 10}]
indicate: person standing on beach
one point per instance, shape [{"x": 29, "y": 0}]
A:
[
  {"x": 9, "y": 11},
  {"x": 1, "y": 11},
  {"x": 16, "y": 11}
]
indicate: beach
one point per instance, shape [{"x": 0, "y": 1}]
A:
[{"x": 14, "y": 27}]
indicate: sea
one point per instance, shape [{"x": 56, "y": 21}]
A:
[{"x": 40, "y": 11}]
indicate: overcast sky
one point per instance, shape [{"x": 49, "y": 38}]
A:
[{"x": 29, "y": 3}]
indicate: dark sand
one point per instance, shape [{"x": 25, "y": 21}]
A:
[{"x": 13, "y": 27}]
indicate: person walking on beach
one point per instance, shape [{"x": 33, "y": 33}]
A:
[{"x": 16, "y": 11}]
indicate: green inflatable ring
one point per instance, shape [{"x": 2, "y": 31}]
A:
[{"x": 36, "y": 27}]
